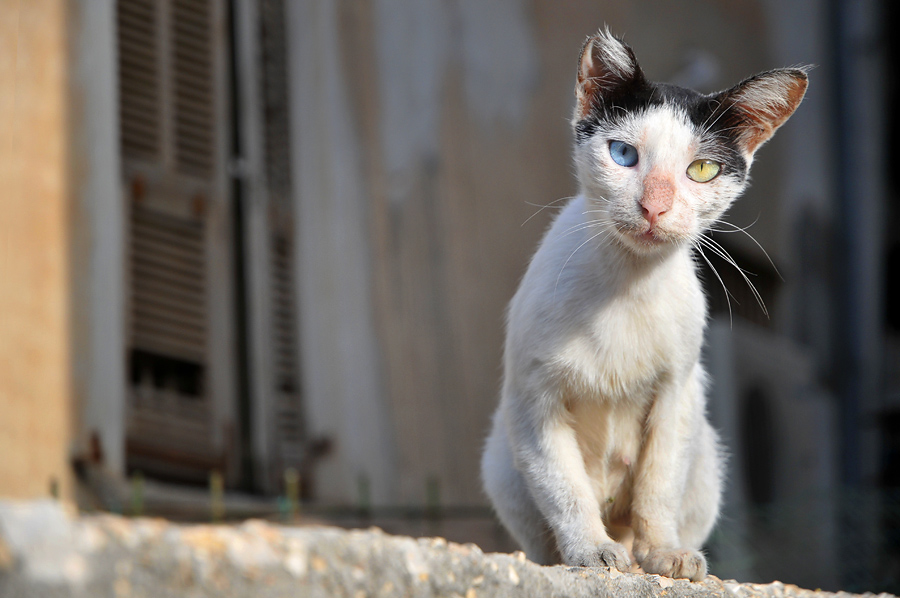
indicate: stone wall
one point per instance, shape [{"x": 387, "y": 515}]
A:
[{"x": 48, "y": 551}]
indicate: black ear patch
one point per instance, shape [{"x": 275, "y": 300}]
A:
[{"x": 607, "y": 69}]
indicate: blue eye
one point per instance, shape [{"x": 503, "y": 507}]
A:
[{"x": 622, "y": 153}]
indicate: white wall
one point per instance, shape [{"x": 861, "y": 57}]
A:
[
  {"x": 98, "y": 229},
  {"x": 342, "y": 385}
]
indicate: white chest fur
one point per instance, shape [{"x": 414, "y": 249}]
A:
[
  {"x": 602, "y": 332},
  {"x": 600, "y": 323}
]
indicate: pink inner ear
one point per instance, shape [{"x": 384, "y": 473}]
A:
[
  {"x": 756, "y": 133},
  {"x": 585, "y": 86},
  {"x": 583, "y": 97},
  {"x": 766, "y": 106}
]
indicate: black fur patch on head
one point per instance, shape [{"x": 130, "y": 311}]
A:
[
  {"x": 585, "y": 129},
  {"x": 718, "y": 134},
  {"x": 706, "y": 113}
]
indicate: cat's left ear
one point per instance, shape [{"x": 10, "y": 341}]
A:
[{"x": 761, "y": 104}]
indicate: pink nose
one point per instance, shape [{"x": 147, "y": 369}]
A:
[{"x": 658, "y": 197}]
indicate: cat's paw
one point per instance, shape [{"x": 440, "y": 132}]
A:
[
  {"x": 679, "y": 562},
  {"x": 608, "y": 554}
]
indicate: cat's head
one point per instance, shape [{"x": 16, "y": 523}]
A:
[{"x": 661, "y": 163}]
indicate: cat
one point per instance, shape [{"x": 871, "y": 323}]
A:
[{"x": 601, "y": 430}]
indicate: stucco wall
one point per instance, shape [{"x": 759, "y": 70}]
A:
[{"x": 35, "y": 324}]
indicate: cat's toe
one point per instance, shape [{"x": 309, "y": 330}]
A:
[
  {"x": 609, "y": 554},
  {"x": 688, "y": 564}
]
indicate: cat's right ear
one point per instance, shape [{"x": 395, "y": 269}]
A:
[
  {"x": 756, "y": 107},
  {"x": 607, "y": 64}
]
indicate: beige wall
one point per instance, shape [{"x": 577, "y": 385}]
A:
[{"x": 35, "y": 385}]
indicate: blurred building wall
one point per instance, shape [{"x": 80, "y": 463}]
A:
[
  {"x": 427, "y": 137},
  {"x": 35, "y": 278},
  {"x": 98, "y": 234}
]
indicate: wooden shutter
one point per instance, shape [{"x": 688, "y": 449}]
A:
[
  {"x": 167, "y": 78},
  {"x": 139, "y": 89},
  {"x": 193, "y": 84},
  {"x": 290, "y": 436},
  {"x": 168, "y": 269},
  {"x": 289, "y": 430}
]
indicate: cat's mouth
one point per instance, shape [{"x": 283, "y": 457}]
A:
[
  {"x": 650, "y": 237},
  {"x": 645, "y": 237}
]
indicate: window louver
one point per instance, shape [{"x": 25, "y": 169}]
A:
[
  {"x": 192, "y": 64},
  {"x": 284, "y": 324},
  {"x": 290, "y": 432},
  {"x": 139, "y": 93},
  {"x": 169, "y": 284},
  {"x": 275, "y": 100},
  {"x": 283, "y": 308}
]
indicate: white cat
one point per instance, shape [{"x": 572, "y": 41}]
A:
[{"x": 601, "y": 424}]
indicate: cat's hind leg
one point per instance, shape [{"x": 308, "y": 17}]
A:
[{"x": 512, "y": 500}]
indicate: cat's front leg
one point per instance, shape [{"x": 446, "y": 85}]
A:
[
  {"x": 549, "y": 459},
  {"x": 666, "y": 459}
]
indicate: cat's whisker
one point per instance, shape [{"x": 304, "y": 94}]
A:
[
  {"x": 571, "y": 255},
  {"x": 593, "y": 225},
  {"x": 584, "y": 226},
  {"x": 599, "y": 198},
  {"x": 728, "y": 295},
  {"x": 721, "y": 252},
  {"x": 719, "y": 132},
  {"x": 735, "y": 227},
  {"x": 598, "y": 211},
  {"x": 756, "y": 294},
  {"x": 711, "y": 114},
  {"x": 544, "y": 207},
  {"x": 718, "y": 118},
  {"x": 738, "y": 229}
]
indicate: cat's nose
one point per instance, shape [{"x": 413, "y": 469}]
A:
[
  {"x": 651, "y": 214},
  {"x": 658, "y": 197}
]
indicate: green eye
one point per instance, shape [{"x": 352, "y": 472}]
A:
[{"x": 703, "y": 171}]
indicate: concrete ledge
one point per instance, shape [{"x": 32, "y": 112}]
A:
[{"x": 46, "y": 551}]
